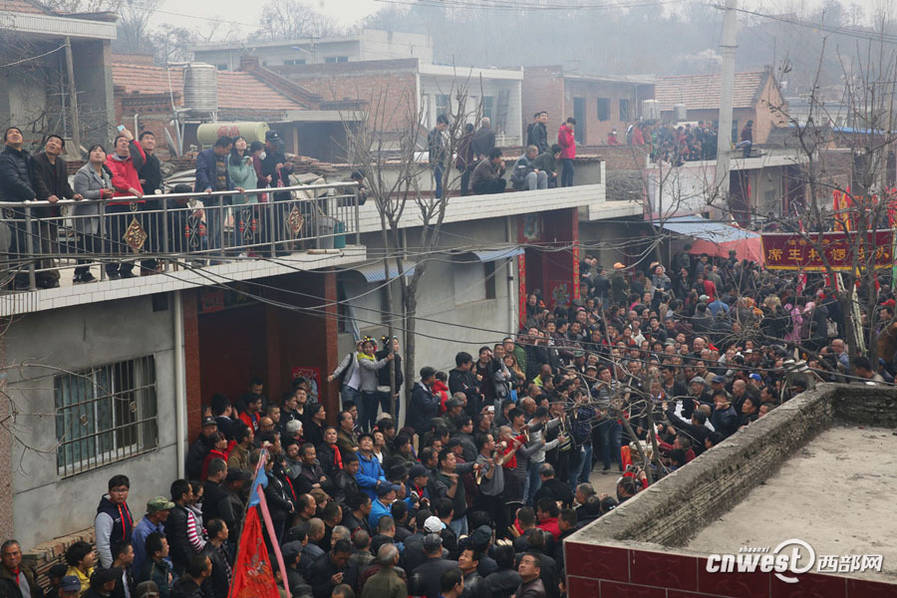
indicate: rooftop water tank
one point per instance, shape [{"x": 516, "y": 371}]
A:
[
  {"x": 201, "y": 87},
  {"x": 650, "y": 110}
]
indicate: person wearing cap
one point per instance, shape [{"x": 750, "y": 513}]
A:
[
  {"x": 16, "y": 580},
  {"x": 113, "y": 522},
  {"x": 55, "y": 575},
  {"x": 69, "y": 587},
  {"x": 697, "y": 388},
  {"x": 157, "y": 510},
  {"x": 201, "y": 447}
]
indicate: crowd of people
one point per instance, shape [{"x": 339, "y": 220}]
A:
[
  {"x": 674, "y": 144},
  {"x": 475, "y": 493},
  {"x": 132, "y": 171},
  {"x": 482, "y": 166}
]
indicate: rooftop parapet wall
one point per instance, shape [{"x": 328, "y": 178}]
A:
[{"x": 679, "y": 505}]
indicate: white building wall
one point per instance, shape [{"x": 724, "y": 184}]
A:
[
  {"x": 432, "y": 86},
  {"x": 452, "y": 291},
  {"x": 46, "y": 506}
]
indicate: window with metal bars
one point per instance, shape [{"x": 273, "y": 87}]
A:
[{"x": 105, "y": 414}]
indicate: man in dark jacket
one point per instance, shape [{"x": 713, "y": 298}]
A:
[
  {"x": 536, "y": 133},
  {"x": 212, "y": 175},
  {"x": 204, "y": 443},
  {"x": 276, "y": 173},
  {"x": 14, "y": 577},
  {"x": 327, "y": 572},
  {"x": 218, "y": 583},
  {"x": 488, "y": 176},
  {"x": 385, "y": 380},
  {"x": 425, "y": 579},
  {"x": 483, "y": 140},
  {"x": 190, "y": 584},
  {"x": 462, "y": 379},
  {"x": 150, "y": 171},
  {"x": 180, "y": 550},
  {"x": 465, "y": 160},
  {"x": 50, "y": 168},
  {"x": 424, "y": 404},
  {"x": 437, "y": 152},
  {"x": 19, "y": 182}
]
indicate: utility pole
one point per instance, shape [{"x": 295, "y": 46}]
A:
[
  {"x": 727, "y": 48},
  {"x": 73, "y": 97}
]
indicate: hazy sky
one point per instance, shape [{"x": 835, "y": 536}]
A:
[
  {"x": 240, "y": 17},
  {"x": 243, "y": 15}
]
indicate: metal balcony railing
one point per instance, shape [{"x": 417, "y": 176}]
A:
[{"x": 38, "y": 239}]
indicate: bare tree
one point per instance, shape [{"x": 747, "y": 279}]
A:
[
  {"x": 294, "y": 19},
  {"x": 388, "y": 147}
]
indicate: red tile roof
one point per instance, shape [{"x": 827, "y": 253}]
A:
[
  {"x": 22, "y": 6},
  {"x": 701, "y": 92},
  {"x": 236, "y": 90}
]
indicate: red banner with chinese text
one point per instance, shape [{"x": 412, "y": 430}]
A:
[{"x": 810, "y": 252}]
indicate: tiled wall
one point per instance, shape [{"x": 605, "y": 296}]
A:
[{"x": 596, "y": 571}]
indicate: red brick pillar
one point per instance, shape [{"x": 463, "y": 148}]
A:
[{"x": 191, "y": 361}]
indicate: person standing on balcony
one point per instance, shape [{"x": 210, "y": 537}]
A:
[
  {"x": 51, "y": 169},
  {"x": 567, "y": 141},
  {"x": 243, "y": 176},
  {"x": 126, "y": 182},
  {"x": 149, "y": 169},
  {"x": 276, "y": 171},
  {"x": 437, "y": 151},
  {"x": 536, "y": 133},
  {"x": 465, "y": 161},
  {"x": 212, "y": 175},
  {"x": 483, "y": 139},
  {"x": 19, "y": 182},
  {"x": 92, "y": 181}
]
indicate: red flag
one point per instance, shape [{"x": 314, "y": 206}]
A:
[{"x": 253, "y": 575}]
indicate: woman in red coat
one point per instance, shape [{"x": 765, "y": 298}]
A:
[{"x": 567, "y": 141}]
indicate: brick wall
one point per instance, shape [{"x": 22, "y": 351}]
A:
[
  {"x": 388, "y": 87},
  {"x": 543, "y": 89}
]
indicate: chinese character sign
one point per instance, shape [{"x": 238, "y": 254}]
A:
[{"x": 839, "y": 250}]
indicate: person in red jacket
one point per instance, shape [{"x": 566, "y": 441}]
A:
[
  {"x": 567, "y": 141},
  {"x": 126, "y": 183}
]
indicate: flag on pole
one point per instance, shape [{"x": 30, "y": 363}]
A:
[
  {"x": 253, "y": 575},
  {"x": 269, "y": 525},
  {"x": 253, "y": 572}
]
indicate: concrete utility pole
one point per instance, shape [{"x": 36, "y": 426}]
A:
[
  {"x": 727, "y": 48},
  {"x": 73, "y": 97}
]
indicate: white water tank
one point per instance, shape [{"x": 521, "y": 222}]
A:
[
  {"x": 201, "y": 87},
  {"x": 650, "y": 110},
  {"x": 680, "y": 113}
]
